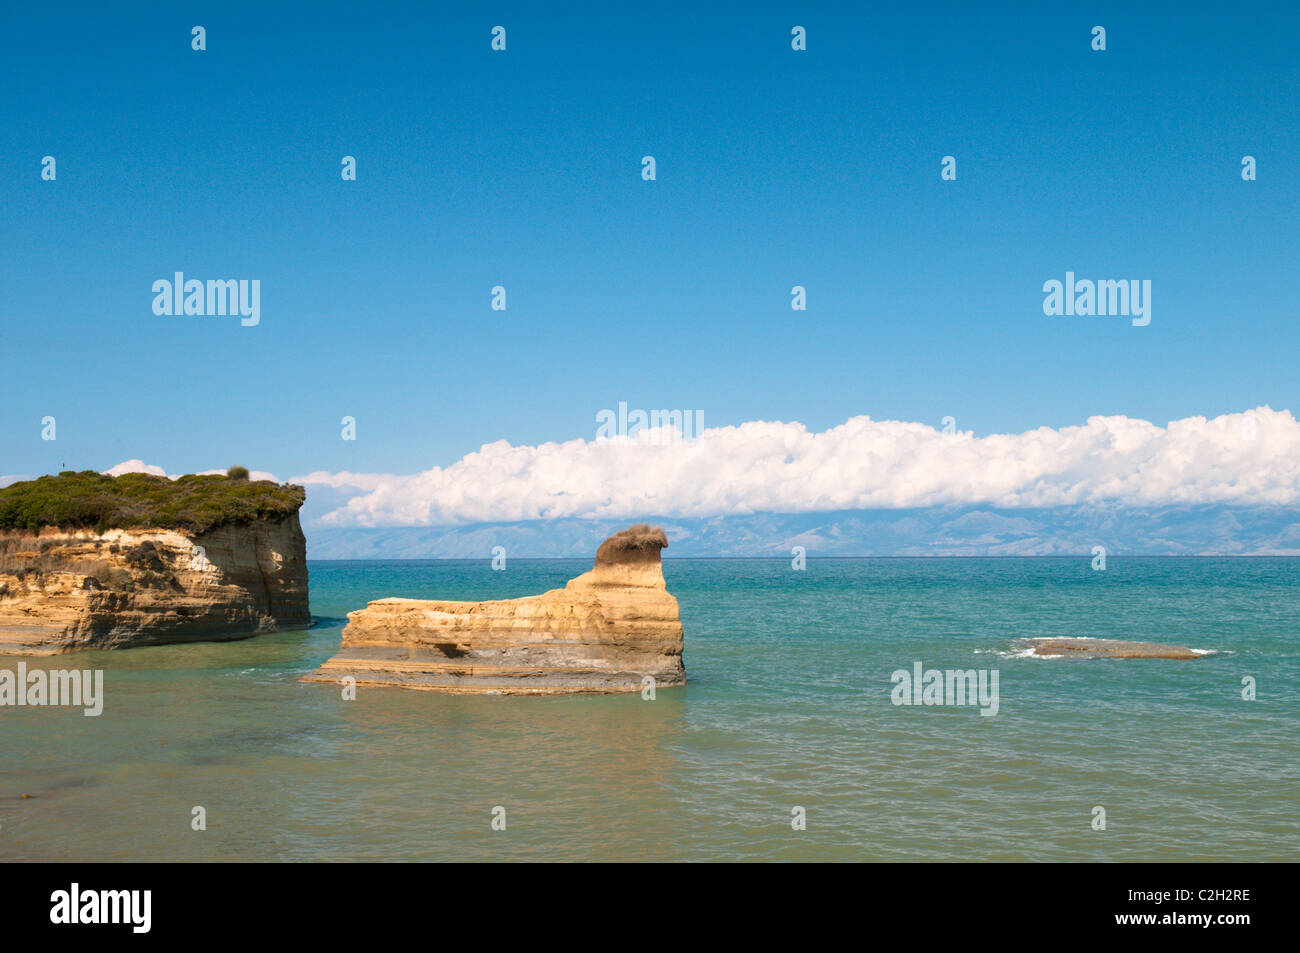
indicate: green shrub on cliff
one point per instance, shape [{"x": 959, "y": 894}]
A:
[{"x": 191, "y": 503}]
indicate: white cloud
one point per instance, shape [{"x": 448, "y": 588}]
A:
[
  {"x": 342, "y": 480},
  {"x": 1247, "y": 458},
  {"x": 139, "y": 466},
  {"x": 135, "y": 466}
]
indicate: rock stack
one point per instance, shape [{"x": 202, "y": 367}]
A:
[{"x": 613, "y": 629}]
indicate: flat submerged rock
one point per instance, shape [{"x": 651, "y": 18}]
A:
[{"x": 1110, "y": 648}]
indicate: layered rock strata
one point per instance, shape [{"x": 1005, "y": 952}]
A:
[
  {"x": 613, "y": 629},
  {"x": 66, "y": 589}
]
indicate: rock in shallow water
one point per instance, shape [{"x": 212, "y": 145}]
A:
[
  {"x": 605, "y": 631},
  {"x": 1110, "y": 648}
]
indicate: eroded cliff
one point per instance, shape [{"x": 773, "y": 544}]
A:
[
  {"x": 64, "y": 588},
  {"x": 605, "y": 631}
]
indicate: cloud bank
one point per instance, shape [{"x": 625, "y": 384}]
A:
[
  {"x": 135, "y": 466},
  {"x": 139, "y": 466},
  {"x": 773, "y": 467}
]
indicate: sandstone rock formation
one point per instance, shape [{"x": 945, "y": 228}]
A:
[
  {"x": 1110, "y": 648},
  {"x": 605, "y": 631},
  {"x": 67, "y": 589}
]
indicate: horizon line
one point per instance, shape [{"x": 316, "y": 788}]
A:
[{"x": 1109, "y": 556}]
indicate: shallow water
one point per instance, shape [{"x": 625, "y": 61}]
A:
[{"x": 788, "y": 704}]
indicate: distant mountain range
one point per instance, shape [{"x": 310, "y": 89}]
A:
[{"x": 939, "y": 531}]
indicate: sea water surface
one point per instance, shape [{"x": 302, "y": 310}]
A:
[{"x": 788, "y": 706}]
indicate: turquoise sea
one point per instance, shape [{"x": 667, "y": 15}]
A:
[{"x": 788, "y": 705}]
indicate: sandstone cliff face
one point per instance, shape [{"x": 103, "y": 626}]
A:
[
  {"x": 64, "y": 590},
  {"x": 605, "y": 631}
]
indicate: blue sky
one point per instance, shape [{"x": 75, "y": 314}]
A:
[{"x": 522, "y": 168}]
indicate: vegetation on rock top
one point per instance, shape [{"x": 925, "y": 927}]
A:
[{"x": 193, "y": 503}]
